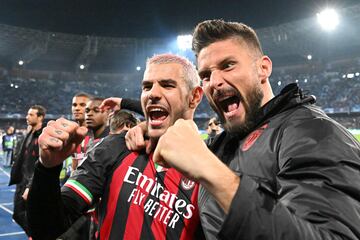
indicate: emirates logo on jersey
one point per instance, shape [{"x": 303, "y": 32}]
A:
[
  {"x": 187, "y": 184},
  {"x": 251, "y": 139}
]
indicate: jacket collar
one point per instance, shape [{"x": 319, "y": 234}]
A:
[{"x": 289, "y": 97}]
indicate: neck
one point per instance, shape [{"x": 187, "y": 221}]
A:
[
  {"x": 36, "y": 127},
  {"x": 99, "y": 131},
  {"x": 268, "y": 94},
  {"x": 189, "y": 115},
  {"x": 81, "y": 123}
]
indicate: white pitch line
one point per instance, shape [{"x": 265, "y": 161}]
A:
[
  {"x": 7, "y": 174},
  {"x": 6, "y": 209},
  {"x": 7, "y": 204},
  {"x": 11, "y": 234}
]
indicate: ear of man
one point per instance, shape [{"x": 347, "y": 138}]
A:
[
  {"x": 195, "y": 97},
  {"x": 264, "y": 68}
]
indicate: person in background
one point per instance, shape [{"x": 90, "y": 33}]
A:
[
  {"x": 121, "y": 120},
  {"x": 8, "y": 145},
  {"x": 23, "y": 167},
  {"x": 20, "y": 136},
  {"x": 96, "y": 120},
  {"x": 213, "y": 129},
  {"x": 78, "y": 105}
]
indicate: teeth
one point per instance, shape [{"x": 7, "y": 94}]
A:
[
  {"x": 157, "y": 110},
  {"x": 156, "y": 121}
]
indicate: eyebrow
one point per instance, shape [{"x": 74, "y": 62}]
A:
[
  {"x": 162, "y": 81},
  {"x": 221, "y": 63},
  {"x": 225, "y": 60}
]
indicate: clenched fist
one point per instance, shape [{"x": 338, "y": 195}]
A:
[
  {"x": 59, "y": 140},
  {"x": 182, "y": 148}
]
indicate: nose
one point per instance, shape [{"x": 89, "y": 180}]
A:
[
  {"x": 89, "y": 113},
  {"x": 155, "y": 92},
  {"x": 216, "y": 79}
]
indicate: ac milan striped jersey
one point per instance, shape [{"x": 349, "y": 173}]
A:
[{"x": 139, "y": 200}]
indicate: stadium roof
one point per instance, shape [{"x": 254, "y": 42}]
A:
[
  {"x": 155, "y": 18},
  {"x": 115, "y": 35}
]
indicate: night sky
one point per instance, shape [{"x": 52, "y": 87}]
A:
[{"x": 135, "y": 18}]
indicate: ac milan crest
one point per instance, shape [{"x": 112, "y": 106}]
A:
[
  {"x": 250, "y": 140},
  {"x": 187, "y": 184}
]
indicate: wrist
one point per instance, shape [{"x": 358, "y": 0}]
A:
[
  {"x": 120, "y": 101},
  {"x": 45, "y": 165},
  {"x": 55, "y": 170}
]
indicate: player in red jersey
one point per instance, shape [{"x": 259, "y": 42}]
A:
[{"x": 139, "y": 200}]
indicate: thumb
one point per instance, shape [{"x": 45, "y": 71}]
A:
[
  {"x": 158, "y": 159},
  {"x": 76, "y": 140},
  {"x": 150, "y": 145},
  {"x": 157, "y": 156},
  {"x": 104, "y": 105},
  {"x": 80, "y": 134}
]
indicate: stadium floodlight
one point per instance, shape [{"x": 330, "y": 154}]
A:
[
  {"x": 21, "y": 62},
  {"x": 350, "y": 75},
  {"x": 357, "y": 74},
  {"x": 309, "y": 57},
  {"x": 328, "y": 19},
  {"x": 305, "y": 80},
  {"x": 16, "y": 86},
  {"x": 296, "y": 80},
  {"x": 138, "y": 68},
  {"x": 184, "y": 42},
  {"x": 11, "y": 85},
  {"x": 82, "y": 66}
]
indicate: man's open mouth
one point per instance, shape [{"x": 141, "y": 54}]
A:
[
  {"x": 157, "y": 115},
  {"x": 229, "y": 104}
]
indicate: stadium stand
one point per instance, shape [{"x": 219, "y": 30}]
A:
[{"x": 50, "y": 73}]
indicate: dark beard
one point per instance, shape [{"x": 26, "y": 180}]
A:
[{"x": 253, "y": 114}]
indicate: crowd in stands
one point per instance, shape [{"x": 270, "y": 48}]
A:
[
  {"x": 335, "y": 90},
  {"x": 19, "y": 93}
]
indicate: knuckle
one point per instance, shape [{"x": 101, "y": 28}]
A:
[{"x": 50, "y": 123}]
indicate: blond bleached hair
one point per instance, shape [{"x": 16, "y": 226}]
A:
[{"x": 191, "y": 76}]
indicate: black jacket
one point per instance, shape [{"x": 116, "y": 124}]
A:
[
  {"x": 300, "y": 177},
  {"x": 23, "y": 167}
]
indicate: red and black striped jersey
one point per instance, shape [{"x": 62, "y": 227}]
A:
[{"x": 139, "y": 200}]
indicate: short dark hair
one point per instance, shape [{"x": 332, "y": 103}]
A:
[
  {"x": 82, "y": 94},
  {"x": 213, "y": 120},
  {"x": 210, "y": 31},
  {"x": 122, "y": 118},
  {"x": 41, "y": 111},
  {"x": 97, "y": 99}
]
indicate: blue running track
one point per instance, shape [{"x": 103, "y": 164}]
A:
[{"x": 9, "y": 230}]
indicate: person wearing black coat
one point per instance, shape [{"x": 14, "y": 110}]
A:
[{"x": 24, "y": 162}]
